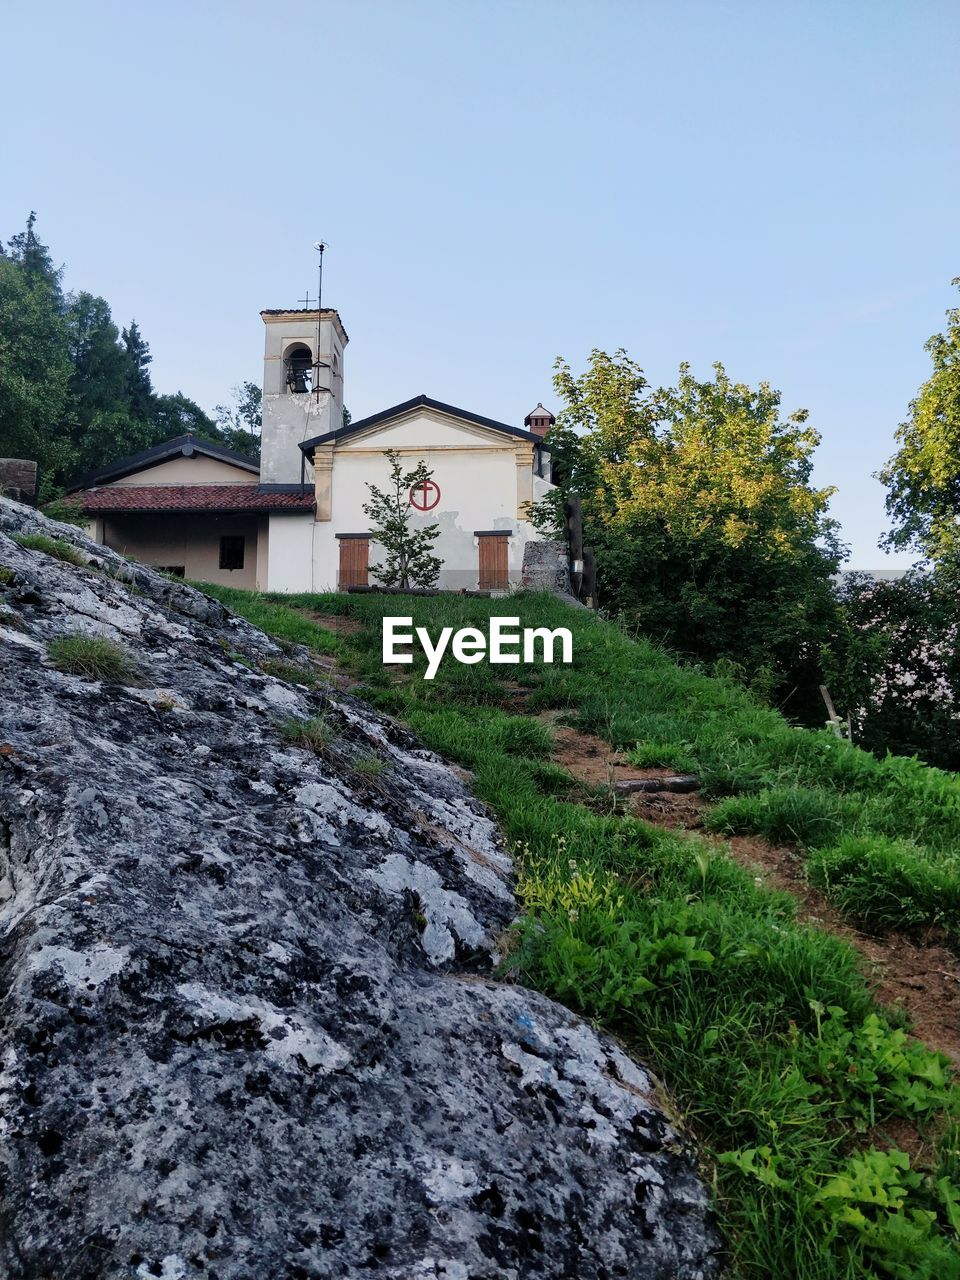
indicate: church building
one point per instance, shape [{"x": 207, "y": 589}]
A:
[{"x": 294, "y": 521}]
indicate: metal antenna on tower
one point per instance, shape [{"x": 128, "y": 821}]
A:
[{"x": 319, "y": 245}]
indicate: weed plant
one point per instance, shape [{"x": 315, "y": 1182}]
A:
[
  {"x": 370, "y": 766},
  {"x": 314, "y": 734},
  {"x": 94, "y": 657}
]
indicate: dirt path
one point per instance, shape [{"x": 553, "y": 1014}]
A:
[
  {"x": 590, "y": 759},
  {"x": 920, "y": 976},
  {"x": 335, "y": 672},
  {"x": 338, "y": 623}
]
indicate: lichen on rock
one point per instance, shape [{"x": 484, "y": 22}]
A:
[{"x": 249, "y": 1025}]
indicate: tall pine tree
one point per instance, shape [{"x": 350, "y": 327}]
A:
[
  {"x": 75, "y": 392},
  {"x": 139, "y": 385},
  {"x": 34, "y": 363}
]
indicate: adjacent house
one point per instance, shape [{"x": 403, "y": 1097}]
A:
[{"x": 294, "y": 520}]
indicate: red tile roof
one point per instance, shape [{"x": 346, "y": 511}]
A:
[{"x": 196, "y": 497}]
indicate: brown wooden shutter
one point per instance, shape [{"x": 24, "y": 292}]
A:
[
  {"x": 354, "y": 562},
  {"x": 493, "y": 561}
]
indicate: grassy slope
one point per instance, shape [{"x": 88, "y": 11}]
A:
[{"x": 763, "y": 1028}]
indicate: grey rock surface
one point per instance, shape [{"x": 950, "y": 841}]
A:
[{"x": 248, "y": 1024}]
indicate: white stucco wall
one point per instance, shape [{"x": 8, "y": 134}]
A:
[
  {"x": 475, "y": 469},
  {"x": 290, "y": 545},
  {"x": 287, "y": 421}
]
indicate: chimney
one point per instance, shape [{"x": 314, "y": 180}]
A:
[{"x": 539, "y": 421}]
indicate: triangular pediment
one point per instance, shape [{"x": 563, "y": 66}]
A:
[
  {"x": 425, "y": 428},
  {"x": 441, "y": 425}
]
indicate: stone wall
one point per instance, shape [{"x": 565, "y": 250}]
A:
[
  {"x": 18, "y": 479},
  {"x": 546, "y": 567}
]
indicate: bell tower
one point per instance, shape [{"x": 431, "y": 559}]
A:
[{"x": 302, "y": 386}]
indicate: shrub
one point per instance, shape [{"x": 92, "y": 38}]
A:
[
  {"x": 95, "y": 657},
  {"x": 55, "y": 547},
  {"x": 893, "y": 664},
  {"x": 67, "y": 511}
]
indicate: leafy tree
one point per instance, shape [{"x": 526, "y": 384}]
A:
[
  {"x": 410, "y": 561},
  {"x": 698, "y": 503},
  {"x": 895, "y": 664},
  {"x": 923, "y": 476},
  {"x": 240, "y": 424},
  {"x": 109, "y": 435},
  {"x": 178, "y": 415}
]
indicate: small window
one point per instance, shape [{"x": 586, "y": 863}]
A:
[
  {"x": 174, "y": 570},
  {"x": 231, "y": 552}
]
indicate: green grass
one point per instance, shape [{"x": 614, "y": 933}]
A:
[
  {"x": 668, "y": 755},
  {"x": 55, "y": 547},
  {"x": 885, "y": 882},
  {"x": 93, "y": 657},
  {"x": 794, "y": 815},
  {"x": 276, "y": 619},
  {"x": 763, "y": 1028},
  {"x": 370, "y": 766},
  {"x": 314, "y": 734}
]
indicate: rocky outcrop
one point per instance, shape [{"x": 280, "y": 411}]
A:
[{"x": 249, "y": 1025}]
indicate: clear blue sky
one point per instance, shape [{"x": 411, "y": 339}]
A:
[{"x": 775, "y": 185}]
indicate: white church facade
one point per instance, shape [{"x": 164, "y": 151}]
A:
[{"x": 294, "y": 521}]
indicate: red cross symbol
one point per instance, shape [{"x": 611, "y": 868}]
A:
[{"x": 425, "y": 496}]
